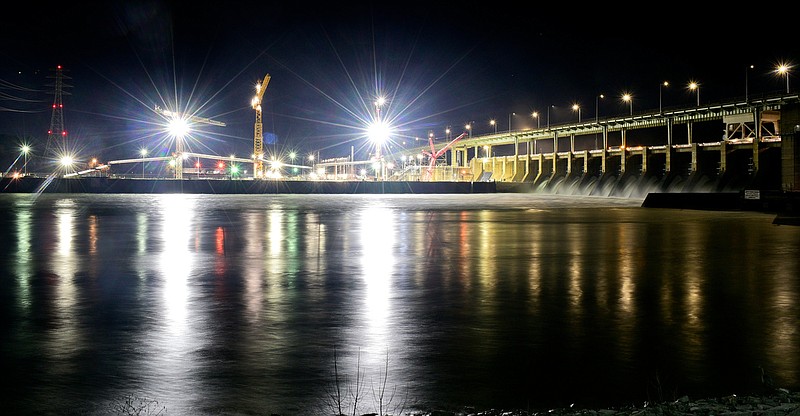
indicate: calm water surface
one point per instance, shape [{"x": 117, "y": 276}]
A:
[{"x": 251, "y": 305}]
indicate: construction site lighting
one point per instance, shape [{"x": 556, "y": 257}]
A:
[
  {"x": 178, "y": 127},
  {"x": 379, "y": 132}
]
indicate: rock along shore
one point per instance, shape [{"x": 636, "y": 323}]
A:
[{"x": 781, "y": 402}]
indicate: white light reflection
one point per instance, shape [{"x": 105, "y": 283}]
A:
[
  {"x": 275, "y": 233},
  {"x": 24, "y": 260},
  {"x": 65, "y": 339},
  {"x": 65, "y": 226},
  {"x": 315, "y": 241},
  {"x": 141, "y": 232},
  {"x": 253, "y": 249},
  {"x": 378, "y": 241},
  {"x": 176, "y": 259},
  {"x": 276, "y": 261}
]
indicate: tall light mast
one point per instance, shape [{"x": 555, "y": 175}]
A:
[
  {"x": 258, "y": 139},
  {"x": 180, "y": 123}
]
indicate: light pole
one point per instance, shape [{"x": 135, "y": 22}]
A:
[
  {"x": 597, "y": 108},
  {"x": 509, "y": 121},
  {"x": 628, "y": 98},
  {"x": 535, "y": 115},
  {"x": 576, "y": 107},
  {"x": 783, "y": 69},
  {"x": 548, "y": 116},
  {"x": 493, "y": 123},
  {"x": 746, "y": 81},
  {"x": 379, "y": 158},
  {"x": 468, "y": 126},
  {"x": 663, "y": 84},
  {"x": 25, "y": 149},
  {"x": 143, "y": 152},
  {"x": 694, "y": 86}
]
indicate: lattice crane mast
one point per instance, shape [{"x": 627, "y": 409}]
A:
[
  {"x": 258, "y": 139},
  {"x": 176, "y": 118}
]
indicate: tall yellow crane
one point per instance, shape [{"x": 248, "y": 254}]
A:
[{"x": 258, "y": 140}]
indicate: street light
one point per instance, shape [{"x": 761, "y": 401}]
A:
[
  {"x": 143, "y": 152},
  {"x": 746, "y": 80},
  {"x": 535, "y": 115},
  {"x": 663, "y": 84},
  {"x": 628, "y": 98},
  {"x": 783, "y": 69},
  {"x": 468, "y": 126},
  {"x": 25, "y": 150},
  {"x": 597, "y": 108},
  {"x": 493, "y": 123},
  {"x": 576, "y": 107},
  {"x": 694, "y": 86},
  {"x": 509, "y": 121}
]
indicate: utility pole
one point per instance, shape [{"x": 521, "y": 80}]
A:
[{"x": 57, "y": 135}]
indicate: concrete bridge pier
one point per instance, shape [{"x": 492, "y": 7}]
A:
[{"x": 790, "y": 148}]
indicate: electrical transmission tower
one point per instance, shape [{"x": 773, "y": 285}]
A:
[{"x": 57, "y": 135}]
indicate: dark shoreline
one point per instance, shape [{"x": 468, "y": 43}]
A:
[
  {"x": 785, "y": 204},
  {"x": 107, "y": 185},
  {"x": 779, "y": 402}
]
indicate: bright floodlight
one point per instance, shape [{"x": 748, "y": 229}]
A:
[
  {"x": 178, "y": 127},
  {"x": 378, "y": 132},
  {"x": 66, "y": 161}
]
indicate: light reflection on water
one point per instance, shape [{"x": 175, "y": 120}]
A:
[{"x": 237, "y": 304}]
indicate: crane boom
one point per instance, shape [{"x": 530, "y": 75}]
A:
[
  {"x": 258, "y": 138},
  {"x": 260, "y": 88},
  {"x": 191, "y": 118}
]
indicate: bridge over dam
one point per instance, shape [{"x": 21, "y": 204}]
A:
[{"x": 724, "y": 147}]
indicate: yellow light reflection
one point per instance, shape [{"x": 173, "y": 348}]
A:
[{"x": 93, "y": 234}]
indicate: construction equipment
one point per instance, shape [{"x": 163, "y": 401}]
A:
[
  {"x": 258, "y": 140},
  {"x": 179, "y": 144},
  {"x": 435, "y": 154}
]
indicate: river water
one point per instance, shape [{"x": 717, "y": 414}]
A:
[{"x": 301, "y": 304}]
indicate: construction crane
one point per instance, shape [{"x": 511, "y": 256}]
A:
[
  {"x": 258, "y": 140},
  {"x": 179, "y": 144},
  {"x": 435, "y": 154}
]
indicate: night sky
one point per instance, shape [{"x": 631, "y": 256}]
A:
[{"x": 439, "y": 65}]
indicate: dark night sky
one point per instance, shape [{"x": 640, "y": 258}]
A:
[{"x": 438, "y": 64}]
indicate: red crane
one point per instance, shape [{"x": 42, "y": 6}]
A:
[{"x": 434, "y": 154}]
